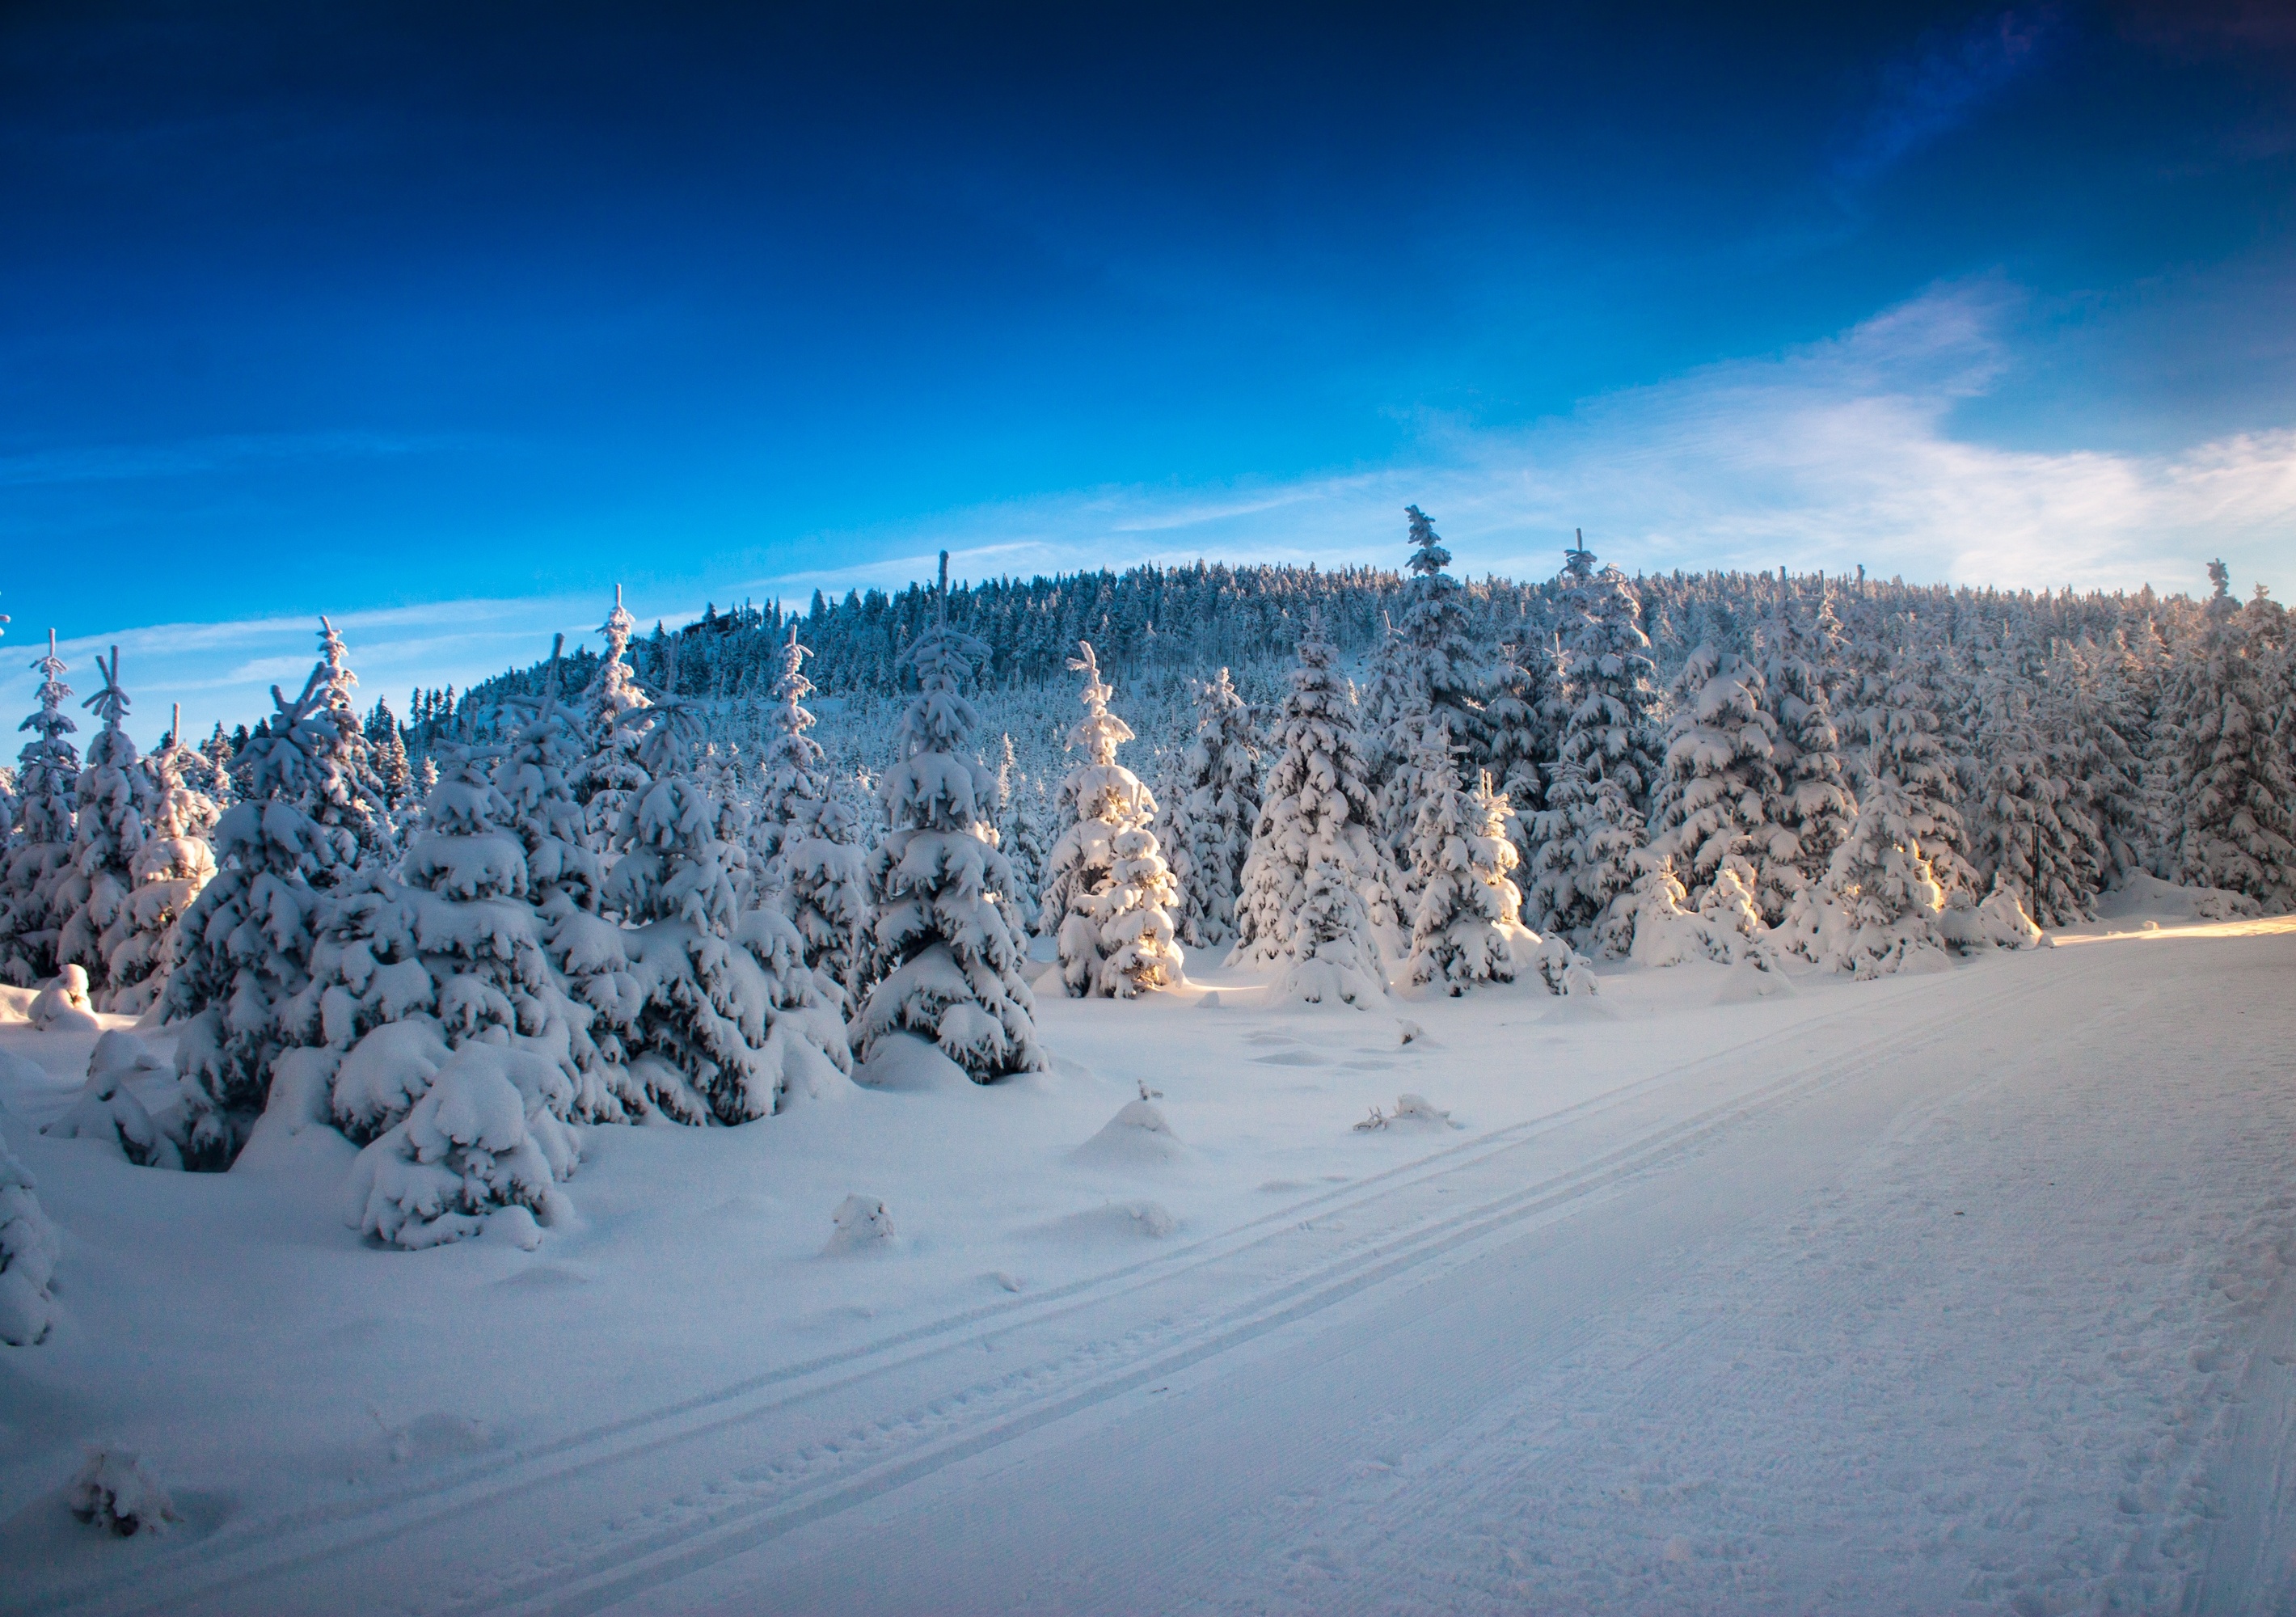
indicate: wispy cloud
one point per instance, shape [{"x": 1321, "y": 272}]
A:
[
  {"x": 1941, "y": 86},
  {"x": 1831, "y": 456},
  {"x": 190, "y": 457}
]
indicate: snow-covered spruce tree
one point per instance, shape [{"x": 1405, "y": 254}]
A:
[
  {"x": 1443, "y": 681},
  {"x": 1897, "y": 742},
  {"x": 2236, "y": 784},
  {"x": 38, "y": 857},
  {"x": 1331, "y": 957},
  {"x": 247, "y": 938},
  {"x": 29, "y": 1251},
  {"x": 727, "y": 1020},
  {"x": 171, "y": 868},
  {"x": 351, "y": 796},
  {"x": 1461, "y": 857},
  {"x": 1814, "y": 808},
  {"x": 111, "y": 825},
  {"x": 387, "y": 747},
  {"x": 1590, "y": 834},
  {"x": 1314, "y": 829},
  {"x": 1713, "y": 803},
  {"x": 1106, "y": 888},
  {"x": 1878, "y": 909},
  {"x": 2089, "y": 703},
  {"x": 613, "y": 727},
  {"x": 946, "y": 966},
  {"x": 816, "y": 869},
  {"x": 1206, "y": 829},
  {"x": 2029, "y": 832}
]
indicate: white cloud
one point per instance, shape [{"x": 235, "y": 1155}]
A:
[{"x": 1825, "y": 456}]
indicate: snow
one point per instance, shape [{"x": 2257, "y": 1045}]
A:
[{"x": 1949, "y": 1291}]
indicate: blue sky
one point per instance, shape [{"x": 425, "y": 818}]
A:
[{"x": 444, "y": 319}]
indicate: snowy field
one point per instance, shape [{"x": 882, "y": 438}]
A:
[{"x": 1957, "y": 1291}]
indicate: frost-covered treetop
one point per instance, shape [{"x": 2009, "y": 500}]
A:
[
  {"x": 109, "y": 704},
  {"x": 51, "y": 724},
  {"x": 614, "y": 690},
  {"x": 1099, "y": 733},
  {"x": 792, "y": 759},
  {"x": 1428, "y": 557}
]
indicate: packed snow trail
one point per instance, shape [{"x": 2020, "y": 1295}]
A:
[
  {"x": 1962, "y": 1296},
  {"x": 1955, "y": 1294}
]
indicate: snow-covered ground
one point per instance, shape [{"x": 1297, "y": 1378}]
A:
[{"x": 1954, "y": 1291}]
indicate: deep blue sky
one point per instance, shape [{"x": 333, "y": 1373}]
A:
[{"x": 357, "y": 308}]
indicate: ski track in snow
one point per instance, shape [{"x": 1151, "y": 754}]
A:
[{"x": 1963, "y": 1294}]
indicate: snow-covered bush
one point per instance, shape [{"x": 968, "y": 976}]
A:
[
  {"x": 63, "y": 1003},
  {"x": 117, "y": 1490},
  {"x": 483, "y": 1141},
  {"x": 860, "y": 1224},
  {"x": 946, "y": 964},
  {"x": 2000, "y": 922},
  {"x": 29, "y": 1251},
  {"x": 107, "y": 1111},
  {"x": 1564, "y": 968}
]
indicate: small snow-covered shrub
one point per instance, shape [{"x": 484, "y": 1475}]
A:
[
  {"x": 116, "y": 1491},
  {"x": 106, "y": 1110},
  {"x": 1333, "y": 958},
  {"x": 2000, "y": 922},
  {"x": 62, "y": 1006},
  {"x": 862, "y": 1223},
  {"x": 1136, "y": 1135},
  {"x": 29, "y": 1250},
  {"x": 1564, "y": 968},
  {"x": 482, "y": 1139}
]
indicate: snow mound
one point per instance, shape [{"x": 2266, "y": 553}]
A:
[
  {"x": 1564, "y": 968},
  {"x": 1411, "y": 1112},
  {"x": 16, "y": 1004},
  {"x": 116, "y": 1491},
  {"x": 63, "y": 1006},
  {"x": 2148, "y": 896},
  {"x": 21, "y": 1072},
  {"x": 908, "y": 1064},
  {"x": 1747, "y": 980},
  {"x": 1138, "y": 1136},
  {"x": 1118, "y": 1221},
  {"x": 863, "y": 1225}
]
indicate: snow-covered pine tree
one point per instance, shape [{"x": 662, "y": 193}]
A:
[
  {"x": 946, "y": 966},
  {"x": 1897, "y": 742},
  {"x": 109, "y": 828},
  {"x": 29, "y": 1251},
  {"x": 351, "y": 794},
  {"x": 1714, "y": 801},
  {"x": 613, "y": 727},
  {"x": 387, "y": 747},
  {"x": 1877, "y": 911},
  {"x": 247, "y": 938},
  {"x": 2237, "y": 785},
  {"x": 174, "y": 864},
  {"x": 1461, "y": 858},
  {"x": 1206, "y": 829},
  {"x": 38, "y": 857},
  {"x": 2029, "y": 832},
  {"x": 2091, "y": 702},
  {"x": 1589, "y": 836},
  {"x": 727, "y": 1019},
  {"x": 1023, "y": 850},
  {"x": 1093, "y": 914},
  {"x": 1443, "y": 681},
  {"x": 1813, "y": 807},
  {"x": 817, "y": 870},
  {"x": 1314, "y": 828}
]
